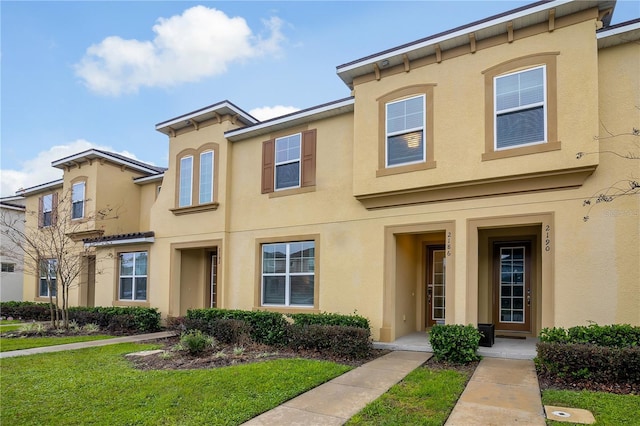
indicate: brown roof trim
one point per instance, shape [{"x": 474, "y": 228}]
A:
[{"x": 118, "y": 238}]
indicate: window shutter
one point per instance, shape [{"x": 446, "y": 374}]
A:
[
  {"x": 54, "y": 208},
  {"x": 308, "y": 158},
  {"x": 268, "y": 163},
  {"x": 40, "y": 212}
]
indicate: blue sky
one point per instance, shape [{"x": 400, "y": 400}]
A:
[{"x": 82, "y": 74}]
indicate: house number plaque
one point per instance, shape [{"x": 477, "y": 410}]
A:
[
  {"x": 448, "y": 244},
  {"x": 547, "y": 240}
]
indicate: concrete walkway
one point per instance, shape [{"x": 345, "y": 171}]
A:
[
  {"x": 334, "y": 402},
  {"x": 90, "y": 344},
  {"x": 500, "y": 392}
]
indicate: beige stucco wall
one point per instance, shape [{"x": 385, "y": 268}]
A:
[{"x": 459, "y": 116}]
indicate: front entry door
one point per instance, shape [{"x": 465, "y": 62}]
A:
[
  {"x": 436, "y": 300},
  {"x": 512, "y": 286},
  {"x": 213, "y": 283}
]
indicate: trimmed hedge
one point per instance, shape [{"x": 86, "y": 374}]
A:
[
  {"x": 341, "y": 335},
  {"x": 614, "y": 335},
  {"x": 118, "y": 319},
  {"x": 28, "y": 311},
  {"x": 326, "y": 318},
  {"x": 342, "y": 341},
  {"x": 269, "y": 328},
  {"x": 114, "y": 319},
  {"x": 455, "y": 343},
  {"x": 591, "y": 362},
  {"x": 599, "y": 353}
]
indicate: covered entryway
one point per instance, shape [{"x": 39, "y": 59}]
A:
[
  {"x": 418, "y": 278},
  {"x": 195, "y": 276}
]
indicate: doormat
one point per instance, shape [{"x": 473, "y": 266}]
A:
[{"x": 511, "y": 337}]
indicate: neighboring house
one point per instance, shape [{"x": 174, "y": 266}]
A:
[
  {"x": 447, "y": 189},
  {"x": 11, "y": 259}
]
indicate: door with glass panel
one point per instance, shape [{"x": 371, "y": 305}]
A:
[
  {"x": 512, "y": 286},
  {"x": 213, "y": 282},
  {"x": 436, "y": 294}
]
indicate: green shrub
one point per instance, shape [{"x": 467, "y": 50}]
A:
[
  {"x": 118, "y": 319},
  {"x": 341, "y": 341},
  {"x": 615, "y": 335},
  {"x": 195, "y": 341},
  {"x": 455, "y": 343},
  {"x": 27, "y": 311},
  {"x": 269, "y": 328},
  {"x": 231, "y": 331},
  {"x": 326, "y": 318},
  {"x": 601, "y": 364}
]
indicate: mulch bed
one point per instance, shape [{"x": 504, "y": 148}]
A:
[
  {"x": 227, "y": 355},
  {"x": 548, "y": 381}
]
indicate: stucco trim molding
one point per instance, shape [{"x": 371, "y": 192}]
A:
[
  {"x": 504, "y": 185},
  {"x": 195, "y": 209}
]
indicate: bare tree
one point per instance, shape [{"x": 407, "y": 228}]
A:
[
  {"x": 623, "y": 187},
  {"x": 51, "y": 246}
]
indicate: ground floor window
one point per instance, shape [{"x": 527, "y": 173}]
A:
[
  {"x": 48, "y": 281},
  {"x": 288, "y": 273},
  {"x": 133, "y": 276}
]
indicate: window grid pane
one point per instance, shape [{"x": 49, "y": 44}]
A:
[
  {"x": 77, "y": 200},
  {"x": 48, "y": 276},
  {"x": 512, "y": 284},
  {"x": 186, "y": 178},
  {"x": 288, "y": 274},
  {"x": 133, "y": 276},
  {"x": 287, "y": 173},
  {"x": 206, "y": 177},
  {"x": 520, "y": 108},
  {"x": 405, "y": 131}
]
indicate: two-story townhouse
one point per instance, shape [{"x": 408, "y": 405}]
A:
[
  {"x": 12, "y": 212},
  {"x": 103, "y": 198},
  {"x": 449, "y": 187}
]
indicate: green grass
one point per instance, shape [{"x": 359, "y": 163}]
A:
[
  {"x": 3, "y": 322},
  {"x": 607, "y": 408},
  {"x": 98, "y": 386},
  {"x": 424, "y": 397},
  {"x": 15, "y": 343},
  {"x": 9, "y": 327}
]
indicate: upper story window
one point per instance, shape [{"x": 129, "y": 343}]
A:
[
  {"x": 520, "y": 102},
  {"x": 405, "y": 131},
  {"x": 289, "y": 162},
  {"x": 47, "y": 210},
  {"x": 77, "y": 200},
  {"x": 406, "y": 136},
  {"x": 521, "y": 107},
  {"x": 196, "y": 179},
  {"x": 186, "y": 181},
  {"x": 206, "y": 177},
  {"x": 47, "y": 283}
]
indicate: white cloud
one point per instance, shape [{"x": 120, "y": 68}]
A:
[
  {"x": 265, "y": 113},
  {"x": 38, "y": 170},
  {"x": 201, "y": 42}
]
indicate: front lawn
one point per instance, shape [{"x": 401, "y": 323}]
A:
[
  {"x": 15, "y": 343},
  {"x": 607, "y": 408},
  {"x": 425, "y": 397},
  {"x": 99, "y": 386}
]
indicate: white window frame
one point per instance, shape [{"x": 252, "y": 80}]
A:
[
  {"x": 77, "y": 197},
  {"x": 209, "y": 198},
  {"x": 287, "y": 274},
  {"x": 421, "y": 129},
  {"x": 47, "y": 209},
  {"x": 183, "y": 192},
  {"x": 497, "y": 112},
  {"x": 51, "y": 265},
  {"x": 133, "y": 277},
  {"x": 290, "y": 161}
]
